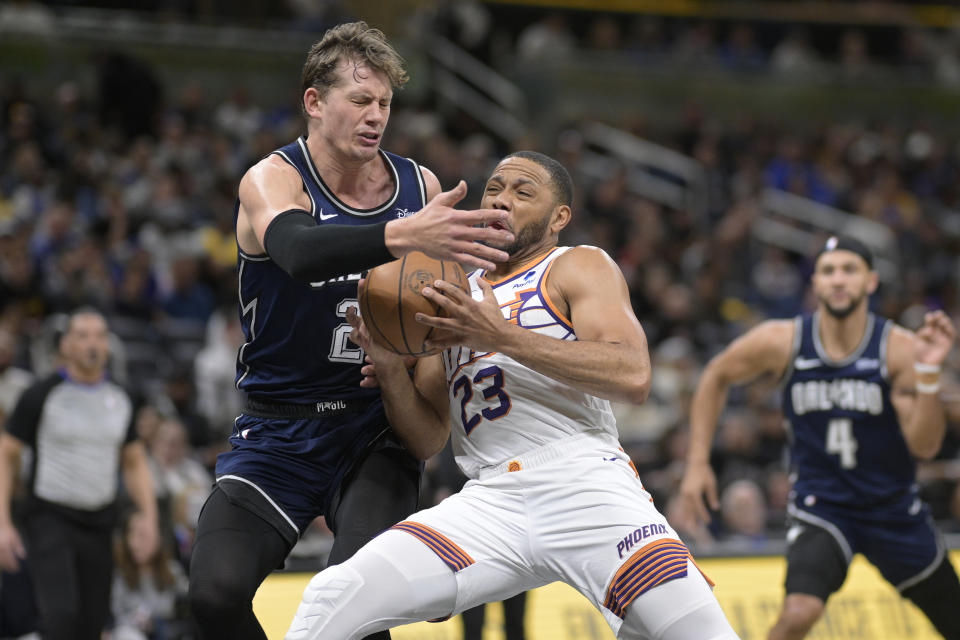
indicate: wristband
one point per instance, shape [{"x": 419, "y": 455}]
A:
[
  {"x": 923, "y": 367},
  {"x": 931, "y": 388}
]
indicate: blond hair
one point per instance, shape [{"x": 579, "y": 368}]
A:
[{"x": 356, "y": 42}]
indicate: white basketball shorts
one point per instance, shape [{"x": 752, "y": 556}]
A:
[{"x": 573, "y": 511}]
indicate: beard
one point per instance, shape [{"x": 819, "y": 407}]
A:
[
  {"x": 842, "y": 312},
  {"x": 529, "y": 235}
]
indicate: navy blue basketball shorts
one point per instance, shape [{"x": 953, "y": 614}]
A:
[
  {"x": 289, "y": 470},
  {"x": 899, "y": 539}
]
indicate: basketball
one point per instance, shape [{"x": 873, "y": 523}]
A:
[{"x": 391, "y": 298}]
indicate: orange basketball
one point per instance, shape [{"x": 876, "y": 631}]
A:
[{"x": 391, "y": 297}]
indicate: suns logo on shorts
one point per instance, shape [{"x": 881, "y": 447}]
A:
[{"x": 514, "y": 466}]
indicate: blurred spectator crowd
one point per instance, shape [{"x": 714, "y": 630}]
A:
[{"x": 124, "y": 201}]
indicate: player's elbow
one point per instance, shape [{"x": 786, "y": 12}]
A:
[
  {"x": 638, "y": 387},
  {"x": 924, "y": 451},
  {"x": 427, "y": 443},
  {"x": 423, "y": 450}
]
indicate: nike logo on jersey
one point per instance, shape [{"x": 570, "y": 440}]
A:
[
  {"x": 806, "y": 363},
  {"x": 867, "y": 363},
  {"x": 326, "y": 216}
]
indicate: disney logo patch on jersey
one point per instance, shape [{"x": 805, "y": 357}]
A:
[
  {"x": 639, "y": 535},
  {"x": 867, "y": 363},
  {"x": 403, "y": 213}
]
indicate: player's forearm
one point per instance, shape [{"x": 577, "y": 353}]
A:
[
  {"x": 8, "y": 471},
  {"x": 925, "y": 429},
  {"x": 399, "y": 237},
  {"x": 309, "y": 252},
  {"x": 614, "y": 371},
  {"x": 9, "y": 468},
  {"x": 708, "y": 402},
  {"x": 413, "y": 418},
  {"x": 139, "y": 484}
]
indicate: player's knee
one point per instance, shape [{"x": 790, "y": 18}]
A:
[
  {"x": 937, "y": 596},
  {"x": 213, "y": 600},
  {"x": 800, "y": 612},
  {"x": 328, "y": 593}
]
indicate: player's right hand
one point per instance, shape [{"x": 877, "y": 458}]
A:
[
  {"x": 698, "y": 491},
  {"x": 445, "y": 233},
  {"x": 12, "y": 550}
]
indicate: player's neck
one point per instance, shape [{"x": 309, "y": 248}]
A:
[
  {"x": 83, "y": 375},
  {"x": 518, "y": 260},
  {"x": 841, "y": 336},
  {"x": 358, "y": 183}
]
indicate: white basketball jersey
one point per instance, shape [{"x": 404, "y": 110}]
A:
[{"x": 501, "y": 409}]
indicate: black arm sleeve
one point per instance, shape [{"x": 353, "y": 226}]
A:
[{"x": 313, "y": 253}]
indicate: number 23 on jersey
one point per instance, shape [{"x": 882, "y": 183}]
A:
[{"x": 489, "y": 383}]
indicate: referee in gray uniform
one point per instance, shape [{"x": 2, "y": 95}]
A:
[{"x": 80, "y": 427}]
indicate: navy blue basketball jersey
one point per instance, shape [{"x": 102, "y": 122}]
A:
[
  {"x": 846, "y": 443},
  {"x": 296, "y": 348}
]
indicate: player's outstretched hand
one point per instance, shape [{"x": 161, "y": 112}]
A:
[
  {"x": 477, "y": 324},
  {"x": 934, "y": 339},
  {"x": 12, "y": 550},
  {"x": 698, "y": 490},
  {"x": 445, "y": 233}
]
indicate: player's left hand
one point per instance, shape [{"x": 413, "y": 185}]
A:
[
  {"x": 360, "y": 336},
  {"x": 477, "y": 324},
  {"x": 934, "y": 339}
]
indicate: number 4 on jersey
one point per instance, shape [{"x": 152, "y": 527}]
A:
[{"x": 840, "y": 441}]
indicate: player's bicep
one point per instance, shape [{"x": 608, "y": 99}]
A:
[
  {"x": 11, "y": 447},
  {"x": 431, "y": 183},
  {"x": 269, "y": 188},
  {"x": 598, "y": 299},
  {"x": 133, "y": 454},
  {"x": 763, "y": 350}
]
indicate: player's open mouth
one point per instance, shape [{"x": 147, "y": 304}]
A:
[
  {"x": 370, "y": 137},
  {"x": 497, "y": 225}
]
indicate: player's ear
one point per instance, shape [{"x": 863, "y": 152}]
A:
[
  {"x": 312, "y": 103},
  {"x": 560, "y": 218},
  {"x": 873, "y": 281}
]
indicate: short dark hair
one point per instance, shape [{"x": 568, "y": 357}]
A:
[
  {"x": 355, "y": 41},
  {"x": 84, "y": 310},
  {"x": 559, "y": 176},
  {"x": 63, "y": 323}
]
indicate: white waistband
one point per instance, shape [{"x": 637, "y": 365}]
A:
[{"x": 548, "y": 453}]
